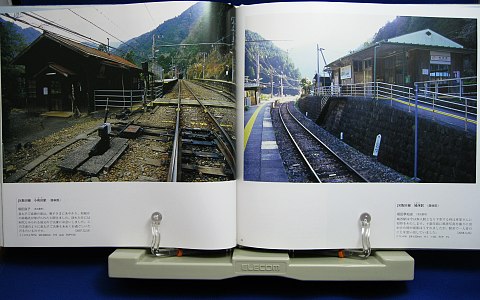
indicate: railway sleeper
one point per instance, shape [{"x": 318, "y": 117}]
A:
[
  {"x": 156, "y": 138},
  {"x": 161, "y": 132},
  {"x": 198, "y": 142},
  {"x": 195, "y": 129},
  {"x": 216, "y": 171},
  {"x": 202, "y": 154},
  {"x": 336, "y": 176},
  {"x": 196, "y": 136}
]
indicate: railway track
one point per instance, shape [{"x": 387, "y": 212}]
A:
[
  {"x": 178, "y": 141},
  {"x": 322, "y": 164},
  {"x": 202, "y": 148},
  {"x": 223, "y": 92}
]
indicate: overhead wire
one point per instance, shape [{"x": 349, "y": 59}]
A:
[
  {"x": 148, "y": 11},
  {"x": 266, "y": 63},
  {"x": 83, "y": 18},
  {"x": 54, "y": 24}
]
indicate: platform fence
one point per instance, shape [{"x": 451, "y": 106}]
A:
[
  {"x": 452, "y": 97},
  {"x": 118, "y": 98}
]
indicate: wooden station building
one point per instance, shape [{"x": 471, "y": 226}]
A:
[
  {"x": 62, "y": 74},
  {"x": 419, "y": 56}
]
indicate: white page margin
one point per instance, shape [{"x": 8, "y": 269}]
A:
[{"x": 286, "y": 215}]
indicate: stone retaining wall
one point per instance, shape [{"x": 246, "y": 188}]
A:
[{"x": 445, "y": 153}]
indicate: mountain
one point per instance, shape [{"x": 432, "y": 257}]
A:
[
  {"x": 273, "y": 61},
  {"x": 172, "y": 31},
  {"x": 204, "y": 22},
  {"x": 13, "y": 39},
  {"x": 28, "y": 34},
  {"x": 462, "y": 31}
]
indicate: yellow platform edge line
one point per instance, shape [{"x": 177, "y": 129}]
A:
[
  {"x": 249, "y": 126},
  {"x": 430, "y": 110}
]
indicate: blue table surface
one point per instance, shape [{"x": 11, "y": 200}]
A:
[{"x": 81, "y": 273}]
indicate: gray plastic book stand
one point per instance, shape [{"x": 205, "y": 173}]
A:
[
  {"x": 161, "y": 263},
  {"x": 381, "y": 265}
]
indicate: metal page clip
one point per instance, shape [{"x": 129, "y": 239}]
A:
[
  {"x": 155, "y": 247},
  {"x": 365, "y": 220}
]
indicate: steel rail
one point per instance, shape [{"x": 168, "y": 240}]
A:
[
  {"x": 224, "y": 93},
  {"x": 305, "y": 160},
  {"x": 228, "y": 148},
  {"x": 330, "y": 151},
  {"x": 173, "y": 174}
]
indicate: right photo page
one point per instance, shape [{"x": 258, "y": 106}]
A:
[
  {"x": 381, "y": 98},
  {"x": 342, "y": 98}
]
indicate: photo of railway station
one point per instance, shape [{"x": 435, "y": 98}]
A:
[
  {"x": 82, "y": 102},
  {"x": 400, "y": 107}
]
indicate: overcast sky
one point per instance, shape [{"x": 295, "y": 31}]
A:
[
  {"x": 122, "y": 21},
  {"x": 299, "y": 34}
]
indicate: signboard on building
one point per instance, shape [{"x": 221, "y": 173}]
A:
[
  {"x": 346, "y": 72},
  {"x": 440, "y": 58}
]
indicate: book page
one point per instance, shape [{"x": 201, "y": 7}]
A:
[
  {"x": 392, "y": 91},
  {"x": 111, "y": 113}
]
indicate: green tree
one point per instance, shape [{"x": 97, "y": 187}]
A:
[
  {"x": 103, "y": 48},
  {"x": 306, "y": 86},
  {"x": 11, "y": 44},
  {"x": 130, "y": 56}
]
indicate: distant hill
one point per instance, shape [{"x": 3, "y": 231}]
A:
[
  {"x": 172, "y": 31},
  {"x": 28, "y": 34},
  {"x": 201, "y": 23},
  {"x": 462, "y": 31},
  {"x": 273, "y": 60},
  {"x": 13, "y": 40}
]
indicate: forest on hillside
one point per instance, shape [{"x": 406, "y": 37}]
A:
[
  {"x": 205, "y": 32},
  {"x": 462, "y": 31},
  {"x": 13, "y": 40},
  {"x": 274, "y": 63}
]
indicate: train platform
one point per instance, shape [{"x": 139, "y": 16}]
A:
[
  {"x": 439, "y": 114},
  {"x": 262, "y": 161}
]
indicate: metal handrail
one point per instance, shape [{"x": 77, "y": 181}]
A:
[
  {"x": 455, "y": 95},
  {"x": 118, "y": 98}
]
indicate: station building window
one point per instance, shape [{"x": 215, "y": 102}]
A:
[
  {"x": 357, "y": 66},
  {"x": 55, "y": 87},
  {"x": 32, "y": 89},
  {"x": 389, "y": 69},
  {"x": 368, "y": 63},
  {"x": 439, "y": 71}
]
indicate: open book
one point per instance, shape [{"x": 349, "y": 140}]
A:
[{"x": 95, "y": 138}]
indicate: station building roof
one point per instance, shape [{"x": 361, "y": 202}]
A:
[
  {"x": 424, "y": 39},
  {"x": 29, "y": 52}
]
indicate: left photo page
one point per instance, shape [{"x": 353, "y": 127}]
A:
[{"x": 111, "y": 113}]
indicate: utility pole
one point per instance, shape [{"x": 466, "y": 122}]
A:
[
  {"x": 153, "y": 46},
  {"x": 153, "y": 53},
  {"x": 281, "y": 85},
  {"x": 318, "y": 67},
  {"x": 318, "y": 73},
  {"x": 152, "y": 84},
  {"x": 271, "y": 84},
  {"x": 233, "y": 61},
  {"x": 375, "y": 70},
  {"x": 258, "y": 68},
  {"x": 203, "y": 66},
  {"x": 232, "y": 20}
]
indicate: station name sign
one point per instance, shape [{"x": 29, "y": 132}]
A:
[{"x": 440, "y": 58}]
